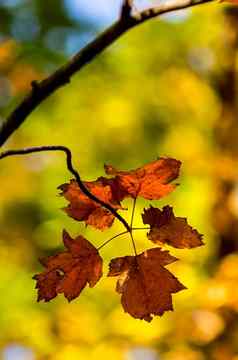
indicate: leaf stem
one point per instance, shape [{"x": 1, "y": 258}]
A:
[
  {"x": 133, "y": 243},
  {"x": 140, "y": 228},
  {"x": 73, "y": 171},
  {"x": 107, "y": 241},
  {"x": 133, "y": 211}
]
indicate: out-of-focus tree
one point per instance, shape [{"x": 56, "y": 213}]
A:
[{"x": 186, "y": 76}]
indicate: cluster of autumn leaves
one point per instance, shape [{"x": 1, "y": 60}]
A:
[{"x": 145, "y": 285}]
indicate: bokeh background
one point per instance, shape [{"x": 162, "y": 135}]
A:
[{"x": 165, "y": 88}]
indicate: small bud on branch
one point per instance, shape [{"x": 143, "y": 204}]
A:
[{"x": 126, "y": 9}]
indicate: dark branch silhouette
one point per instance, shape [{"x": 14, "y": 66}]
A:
[
  {"x": 43, "y": 89},
  {"x": 73, "y": 171}
]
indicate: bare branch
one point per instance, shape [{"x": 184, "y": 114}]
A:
[
  {"x": 165, "y": 7},
  {"x": 43, "y": 89},
  {"x": 73, "y": 171}
]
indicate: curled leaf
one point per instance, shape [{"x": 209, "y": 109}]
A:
[
  {"x": 165, "y": 228},
  {"x": 146, "y": 287},
  {"x": 82, "y": 208},
  {"x": 69, "y": 272},
  {"x": 151, "y": 181}
]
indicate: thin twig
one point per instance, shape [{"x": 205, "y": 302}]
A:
[
  {"x": 165, "y": 7},
  {"x": 114, "y": 237},
  {"x": 43, "y": 89},
  {"x": 74, "y": 172}
]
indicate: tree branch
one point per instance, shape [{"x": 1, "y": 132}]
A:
[
  {"x": 43, "y": 89},
  {"x": 166, "y": 7},
  {"x": 74, "y": 172}
]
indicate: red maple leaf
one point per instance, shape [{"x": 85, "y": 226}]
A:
[
  {"x": 171, "y": 230},
  {"x": 145, "y": 285},
  {"x": 82, "y": 208},
  {"x": 69, "y": 272},
  {"x": 151, "y": 181}
]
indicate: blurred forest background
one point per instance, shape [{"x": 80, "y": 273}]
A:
[{"x": 165, "y": 88}]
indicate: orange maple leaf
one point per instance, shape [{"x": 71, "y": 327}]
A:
[
  {"x": 69, "y": 272},
  {"x": 146, "y": 286},
  {"x": 166, "y": 228},
  {"x": 150, "y": 181},
  {"x": 82, "y": 208}
]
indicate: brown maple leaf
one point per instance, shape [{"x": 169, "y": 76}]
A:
[
  {"x": 82, "y": 208},
  {"x": 166, "y": 228},
  {"x": 69, "y": 272},
  {"x": 146, "y": 286},
  {"x": 150, "y": 181}
]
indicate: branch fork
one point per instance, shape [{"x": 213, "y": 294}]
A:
[
  {"x": 43, "y": 89},
  {"x": 73, "y": 171}
]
